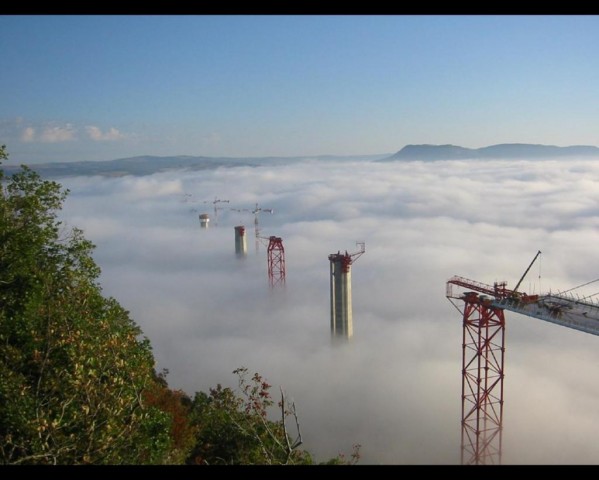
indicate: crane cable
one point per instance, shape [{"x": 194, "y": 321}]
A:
[
  {"x": 588, "y": 283},
  {"x": 589, "y": 296}
]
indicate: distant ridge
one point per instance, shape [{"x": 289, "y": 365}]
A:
[
  {"x": 148, "y": 164},
  {"x": 503, "y": 150}
]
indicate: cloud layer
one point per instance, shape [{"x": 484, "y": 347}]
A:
[{"x": 396, "y": 387}]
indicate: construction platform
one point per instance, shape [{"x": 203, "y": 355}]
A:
[{"x": 560, "y": 308}]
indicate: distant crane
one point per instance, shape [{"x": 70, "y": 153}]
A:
[
  {"x": 276, "y": 261},
  {"x": 483, "y": 348},
  {"x": 188, "y": 198},
  {"x": 275, "y": 257},
  {"x": 216, "y": 209},
  {"x": 256, "y": 211}
]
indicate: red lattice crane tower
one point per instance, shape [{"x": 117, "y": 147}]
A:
[
  {"x": 276, "y": 261},
  {"x": 483, "y": 349}
]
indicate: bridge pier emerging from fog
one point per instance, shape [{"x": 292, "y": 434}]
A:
[
  {"x": 341, "y": 296},
  {"x": 241, "y": 246},
  {"x": 341, "y": 300}
]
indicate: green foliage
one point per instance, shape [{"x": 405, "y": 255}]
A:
[
  {"x": 73, "y": 368},
  {"x": 233, "y": 428},
  {"x": 77, "y": 379},
  {"x": 342, "y": 459}
]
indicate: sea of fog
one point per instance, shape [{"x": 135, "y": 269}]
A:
[{"x": 395, "y": 388}]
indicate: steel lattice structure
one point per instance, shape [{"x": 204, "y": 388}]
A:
[
  {"x": 482, "y": 382},
  {"x": 276, "y": 261},
  {"x": 483, "y": 348}
]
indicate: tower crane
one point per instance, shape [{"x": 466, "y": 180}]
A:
[
  {"x": 275, "y": 257},
  {"x": 256, "y": 211},
  {"x": 483, "y": 346},
  {"x": 216, "y": 209},
  {"x": 275, "y": 252},
  {"x": 275, "y": 261}
]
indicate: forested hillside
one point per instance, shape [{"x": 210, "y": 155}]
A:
[{"x": 77, "y": 377}]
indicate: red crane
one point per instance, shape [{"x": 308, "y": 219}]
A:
[
  {"x": 276, "y": 261},
  {"x": 483, "y": 349}
]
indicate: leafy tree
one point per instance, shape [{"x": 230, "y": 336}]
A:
[
  {"x": 233, "y": 427},
  {"x": 73, "y": 368},
  {"x": 77, "y": 379},
  {"x": 177, "y": 404}
]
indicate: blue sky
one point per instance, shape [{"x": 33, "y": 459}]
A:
[{"x": 104, "y": 87}]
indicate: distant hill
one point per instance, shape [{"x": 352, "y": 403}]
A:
[
  {"x": 504, "y": 150},
  {"x": 142, "y": 165},
  {"x": 147, "y": 164}
]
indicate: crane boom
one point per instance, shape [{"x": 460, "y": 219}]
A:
[
  {"x": 483, "y": 350},
  {"x": 524, "y": 274}
]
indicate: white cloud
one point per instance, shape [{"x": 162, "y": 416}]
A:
[
  {"x": 28, "y": 134},
  {"x": 396, "y": 388},
  {"x": 96, "y": 134},
  {"x": 56, "y": 134}
]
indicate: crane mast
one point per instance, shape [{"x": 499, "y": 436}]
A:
[{"x": 482, "y": 308}]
